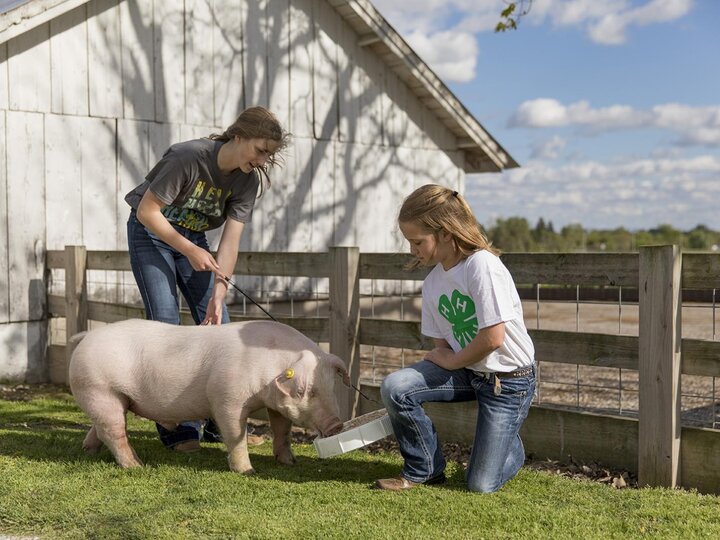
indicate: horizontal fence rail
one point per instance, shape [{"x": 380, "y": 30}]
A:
[{"x": 550, "y": 431}]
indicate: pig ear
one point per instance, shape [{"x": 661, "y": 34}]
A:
[
  {"x": 291, "y": 383},
  {"x": 339, "y": 367}
]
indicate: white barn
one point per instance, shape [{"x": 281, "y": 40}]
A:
[{"x": 93, "y": 92}]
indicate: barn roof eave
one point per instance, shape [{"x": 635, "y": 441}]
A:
[{"x": 482, "y": 152}]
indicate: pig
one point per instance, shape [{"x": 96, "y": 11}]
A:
[{"x": 169, "y": 374}]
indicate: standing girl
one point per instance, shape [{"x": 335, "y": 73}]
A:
[
  {"x": 198, "y": 186},
  {"x": 471, "y": 309}
]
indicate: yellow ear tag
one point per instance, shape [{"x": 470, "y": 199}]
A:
[{"x": 289, "y": 373}]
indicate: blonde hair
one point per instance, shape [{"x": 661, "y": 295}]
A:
[
  {"x": 437, "y": 208},
  {"x": 258, "y": 123}
]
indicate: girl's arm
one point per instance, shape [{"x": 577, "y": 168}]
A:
[
  {"x": 486, "y": 341},
  {"x": 226, "y": 258},
  {"x": 149, "y": 213}
]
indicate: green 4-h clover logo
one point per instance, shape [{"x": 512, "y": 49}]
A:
[{"x": 459, "y": 310}]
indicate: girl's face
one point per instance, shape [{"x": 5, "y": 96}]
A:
[
  {"x": 430, "y": 248},
  {"x": 253, "y": 153}
]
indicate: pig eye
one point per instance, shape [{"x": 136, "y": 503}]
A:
[{"x": 312, "y": 393}]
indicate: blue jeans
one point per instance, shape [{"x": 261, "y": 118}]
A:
[
  {"x": 159, "y": 271},
  {"x": 497, "y": 452}
]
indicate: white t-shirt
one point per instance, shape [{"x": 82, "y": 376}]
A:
[{"x": 476, "y": 293}]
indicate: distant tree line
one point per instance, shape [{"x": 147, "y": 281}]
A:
[{"x": 516, "y": 235}]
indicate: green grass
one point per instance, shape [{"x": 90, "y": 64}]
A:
[{"x": 51, "y": 489}]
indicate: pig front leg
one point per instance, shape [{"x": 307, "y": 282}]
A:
[
  {"x": 280, "y": 427},
  {"x": 234, "y": 434}
]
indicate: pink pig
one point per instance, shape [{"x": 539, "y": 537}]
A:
[{"x": 170, "y": 374}]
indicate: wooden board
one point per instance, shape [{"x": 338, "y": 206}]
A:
[
  {"x": 63, "y": 181},
  {"x": 4, "y": 253},
  {"x": 29, "y": 70},
  {"x": 26, "y": 237},
  {"x": 228, "y": 62},
  {"x": 24, "y": 358},
  {"x": 169, "y": 60},
  {"x": 349, "y": 84},
  {"x": 3, "y": 77},
  {"x": 138, "y": 75},
  {"x": 347, "y": 184},
  {"x": 69, "y": 63},
  {"x": 278, "y": 58},
  {"x": 255, "y": 51},
  {"x": 301, "y": 51},
  {"x": 325, "y": 71},
  {"x": 198, "y": 48},
  {"x": 105, "y": 68}
]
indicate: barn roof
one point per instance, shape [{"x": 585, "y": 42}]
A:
[{"x": 482, "y": 152}]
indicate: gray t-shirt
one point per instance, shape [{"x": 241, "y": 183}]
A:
[{"x": 197, "y": 195}]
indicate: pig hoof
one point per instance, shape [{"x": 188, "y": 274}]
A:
[
  {"x": 91, "y": 450},
  {"x": 286, "y": 460},
  {"x": 133, "y": 465}
]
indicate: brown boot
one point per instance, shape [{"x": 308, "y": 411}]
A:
[
  {"x": 255, "y": 440},
  {"x": 400, "y": 483},
  {"x": 187, "y": 447}
]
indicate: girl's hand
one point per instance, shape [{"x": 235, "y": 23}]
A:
[
  {"x": 213, "y": 315},
  {"x": 203, "y": 261},
  {"x": 443, "y": 357}
]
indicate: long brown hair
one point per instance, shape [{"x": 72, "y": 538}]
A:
[
  {"x": 437, "y": 208},
  {"x": 258, "y": 123}
]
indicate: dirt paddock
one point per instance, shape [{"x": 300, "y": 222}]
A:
[{"x": 598, "y": 389}]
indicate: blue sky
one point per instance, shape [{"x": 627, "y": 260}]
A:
[{"x": 611, "y": 107}]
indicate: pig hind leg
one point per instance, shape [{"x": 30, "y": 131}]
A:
[
  {"x": 108, "y": 416},
  {"x": 92, "y": 443}
]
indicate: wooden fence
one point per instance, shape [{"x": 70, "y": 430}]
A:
[{"x": 655, "y": 445}]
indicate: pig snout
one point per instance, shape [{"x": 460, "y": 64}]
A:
[{"x": 332, "y": 426}]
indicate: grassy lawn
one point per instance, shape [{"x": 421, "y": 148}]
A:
[{"x": 51, "y": 489}]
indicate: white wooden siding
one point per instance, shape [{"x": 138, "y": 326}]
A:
[
  {"x": 4, "y": 256},
  {"x": 26, "y": 215},
  {"x": 138, "y": 68},
  {"x": 91, "y": 100},
  {"x": 228, "y": 62},
  {"x": 29, "y": 70},
  {"x": 104, "y": 59},
  {"x": 69, "y": 63}
]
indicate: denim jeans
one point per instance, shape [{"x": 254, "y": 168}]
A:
[
  {"x": 497, "y": 452},
  {"x": 159, "y": 271}
]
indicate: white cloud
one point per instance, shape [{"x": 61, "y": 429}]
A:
[
  {"x": 696, "y": 126},
  {"x": 607, "y": 22},
  {"x": 635, "y": 194},
  {"x": 548, "y": 149}
]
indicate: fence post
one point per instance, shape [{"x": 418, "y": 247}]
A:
[
  {"x": 345, "y": 319},
  {"x": 75, "y": 297},
  {"x": 659, "y": 345}
]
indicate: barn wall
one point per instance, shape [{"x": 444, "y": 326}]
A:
[{"x": 90, "y": 100}]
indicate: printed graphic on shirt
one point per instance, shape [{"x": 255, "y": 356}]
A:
[
  {"x": 205, "y": 202},
  {"x": 459, "y": 310}
]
